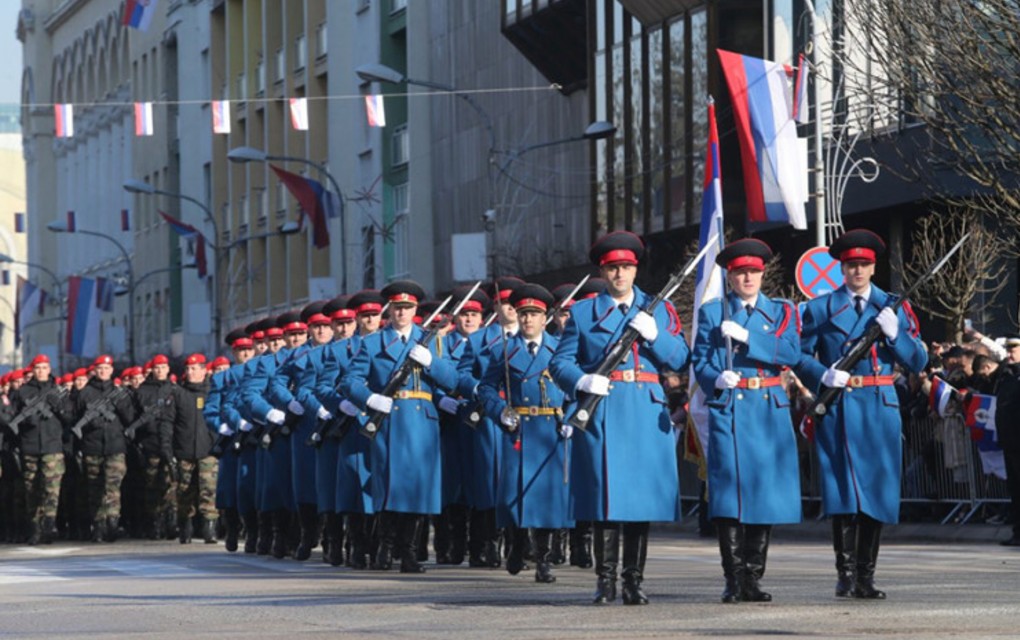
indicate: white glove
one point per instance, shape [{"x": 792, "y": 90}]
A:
[
  {"x": 594, "y": 384},
  {"x": 349, "y": 408},
  {"x": 835, "y": 378},
  {"x": 449, "y": 405},
  {"x": 225, "y": 430},
  {"x": 889, "y": 323},
  {"x": 644, "y": 324},
  {"x": 727, "y": 380},
  {"x": 380, "y": 403},
  {"x": 733, "y": 330},
  {"x": 295, "y": 407},
  {"x": 421, "y": 355},
  {"x": 323, "y": 414},
  {"x": 245, "y": 425},
  {"x": 275, "y": 416},
  {"x": 566, "y": 431}
]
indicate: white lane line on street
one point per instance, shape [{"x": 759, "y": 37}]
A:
[
  {"x": 279, "y": 566},
  {"x": 143, "y": 568},
  {"x": 21, "y": 574},
  {"x": 46, "y": 552}
]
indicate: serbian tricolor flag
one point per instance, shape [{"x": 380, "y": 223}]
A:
[
  {"x": 221, "y": 116},
  {"x": 979, "y": 415},
  {"x": 185, "y": 230},
  {"x": 84, "y": 311},
  {"x": 299, "y": 114},
  {"x": 138, "y": 13},
  {"x": 143, "y": 119},
  {"x": 940, "y": 395},
  {"x": 376, "y": 110},
  {"x": 313, "y": 198},
  {"x": 801, "y": 113},
  {"x": 29, "y": 303},
  {"x": 774, "y": 160},
  {"x": 63, "y": 115},
  {"x": 71, "y": 226}
]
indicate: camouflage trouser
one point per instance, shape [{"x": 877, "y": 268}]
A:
[
  {"x": 160, "y": 487},
  {"x": 105, "y": 473},
  {"x": 42, "y": 476},
  {"x": 196, "y": 488}
]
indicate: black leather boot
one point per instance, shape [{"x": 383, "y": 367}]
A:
[
  {"x": 476, "y": 541},
  {"x": 233, "y": 523},
  {"x": 543, "y": 554},
  {"x": 422, "y": 546},
  {"x": 635, "y": 551},
  {"x": 557, "y": 547},
  {"x": 357, "y": 535},
  {"x": 517, "y": 539},
  {"x": 386, "y": 527},
  {"x": 281, "y": 523},
  {"x": 731, "y": 549},
  {"x": 756, "y": 550},
  {"x": 251, "y": 531},
  {"x": 209, "y": 530},
  {"x": 34, "y": 532},
  {"x": 410, "y": 537},
  {"x": 184, "y": 531},
  {"x": 844, "y": 544},
  {"x": 308, "y": 518},
  {"x": 441, "y": 541},
  {"x": 333, "y": 540},
  {"x": 48, "y": 532},
  {"x": 606, "y": 536},
  {"x": 170, "y": 523},
  {"x": 580, "y": 546},
  {"x": 113, "y": 530},
  {"x": 869, "y": 533},
  {"x": 492, "y": 539},
  {"x": 98, "y": 530},
  {"x": 458, "y": 533}
]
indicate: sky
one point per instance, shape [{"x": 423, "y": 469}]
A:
[{"x": 10, "y": 52}]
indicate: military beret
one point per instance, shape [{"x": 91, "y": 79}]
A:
[
  {"x": 748, "y": 253},
  {"x": 617, "y": 247},
  {"x": 858, "y": 245}
]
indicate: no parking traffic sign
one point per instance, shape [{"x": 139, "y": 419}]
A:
[{"x": 818, "y": 273}]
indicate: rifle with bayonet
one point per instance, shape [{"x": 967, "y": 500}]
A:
[
  {"x": 862, "y": 348},
  {"x": 37, "y": 407},
  {"x": 588, "y": 402},
  {"x": 101, "y": 408}
]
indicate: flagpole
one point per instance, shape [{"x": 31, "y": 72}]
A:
[{"x": 816, "y": 30}]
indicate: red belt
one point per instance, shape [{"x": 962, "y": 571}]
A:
[
  {"x": 759, "y": 383},
  {"x": 856, "y": 382},
  {"x": 629, "y": 375}
]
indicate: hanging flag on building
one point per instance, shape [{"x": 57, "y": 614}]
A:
[
  {"x": 376, "y": 110},
  {"x": 138, "y": 14},
  {"x": 801, "y": 112},
  {"x": 63, "y": 115},
  {"x": 87, "y": 299},
  {"x": 299, "y": 113},
  {"x": 221, "y": 116},
  {"x": 979, "y": 415},
  {"x": 143, "y": 119},
  {"x": 71, "y": 226},
  {"x": 708, "y": 285},
  {"x": 19, "y": 223},
  {"x": 774, "y": 161},
  {"x": 30, "y": 303},
  {"x": 313, "y": 198},
  {"x": 195, "y": 236},
  {"x": 125, "y": 220}
]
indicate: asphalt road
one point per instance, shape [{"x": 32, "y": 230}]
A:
[{"x": 166, "y": 590}]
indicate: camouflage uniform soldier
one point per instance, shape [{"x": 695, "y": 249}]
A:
[
  {"x": 192, "y": 444},
  {"x": 40, "y": 431},
  {"x": 152, "y": 436},
  {"x": 74, "y": 508},
  {"x": 102, "y": 412}
]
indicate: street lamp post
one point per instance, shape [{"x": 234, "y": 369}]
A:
[
  {"x": 57, "y": 227},
  {"x": 143, "y": 188},
  {"x": 250, "y": 154},
  {"x": 57, "y": 287}
]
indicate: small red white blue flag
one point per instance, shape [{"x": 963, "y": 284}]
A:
[
  {"x": 299, "y": 113},
  {"x": 221, "y": 116},
  {"x": 376, "y": 110},
  {"x": 63, "y": 115},
  {"x": 314, "y": 201},
  {"x": 143, "y": 119},
  {"x": 940, "y": 395},
  {"x": 138, "y": 13},
  {"x": 979, "y": 415}
]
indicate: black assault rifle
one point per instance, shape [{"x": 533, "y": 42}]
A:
[
  {"x": 101, "y": 408},
  {"x": 588, "y": 402},
  {"x": 37, "y": 407}
]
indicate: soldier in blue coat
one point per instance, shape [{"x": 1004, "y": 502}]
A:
[
  {"x": 533, "y": 488},
  {"x": 623, "y": 467},
  {"x": 859, "y": 440},
  {"x": 406, "y": 472},
  {"x": 486, "y": 436},
  {"x": 753, "y": 473}
]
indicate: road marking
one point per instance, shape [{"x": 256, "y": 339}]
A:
[
  {"x": 50, "y": 552},
  {"x": 21, "y": 574}
]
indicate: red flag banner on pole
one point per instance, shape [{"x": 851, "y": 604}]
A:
[{"x": 311, "y": 196}]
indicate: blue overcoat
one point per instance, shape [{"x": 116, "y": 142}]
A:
[
  {"x": 859, "y": 440},
  {"x": 406, "y": 465},
  {"x": 214, "y": 414},
  {"x": 353, "y": 486},
  {"x": 533, "y": 488},
  {"x": 273, "y": 466},
  {"x": 455, "y": 437},
  {"x": 753, "y": 472},
  {"x": 323, "y": 458},
  {"x": 623, "y": 467},
  {"x": 486, "y": 452}
]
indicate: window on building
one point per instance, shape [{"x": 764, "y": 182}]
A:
[
  {"x": 242, "y": 86},
  {"x": 300, "y": 52},
  {"x": 281, "y": 65},
  {"x": 401, "y": 230},
  {"x": 321, "y": 41},
  {"x": 281, "y": 202},
  {"x": 397, "y": 5},
  {"x": 260, "y": 77},
  {"x": 400, "y": 151}
]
